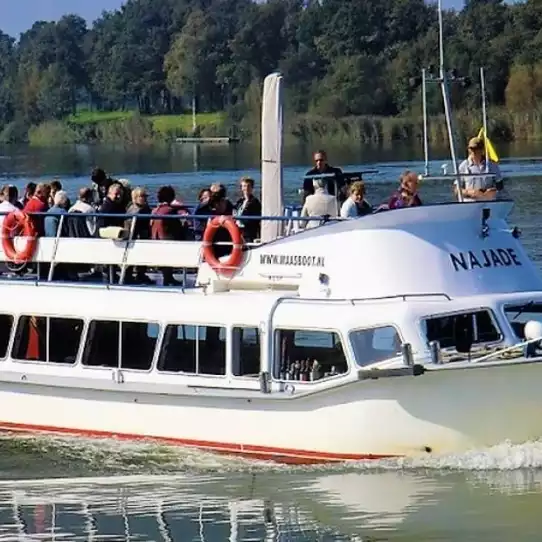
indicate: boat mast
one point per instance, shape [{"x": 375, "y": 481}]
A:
[
  {"x": 484, "y": 112},
  {"x": 446, "y": 99}
]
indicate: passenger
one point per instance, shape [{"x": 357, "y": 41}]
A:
[
  {"x": 483, "y": 187},
  {"x": 38, "y": 204},
  {"x": 356, "y": 205},
  {"x": 167, "y": 229},
  {"x": 248, "y": 205},
  {"x": 407, "y": 195},
  {"x": 100, "y": 185},
  {"x": 52, "y": 220},
  {"x": 112, "y": 205},
  {"x": 202, "y": 208},
  {"x": 321, "y": 167},
  {"x": 8, "y": 195},
  {"x": 78, "y": 227},
  {"x": 142, "y": 230},
  {"x": 55, "y": 185},
  {"x": 29, "y": 190},
  {"x": 219, "y": 204},
  {"x": 319, "y": 204},
  {"x": 204, "y": 196},
  {"x": 126, "y": 192}
]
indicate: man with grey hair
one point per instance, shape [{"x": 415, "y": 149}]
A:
[
  {"x": 319, "y": 204},
  {"x": 52, "y": 220}
]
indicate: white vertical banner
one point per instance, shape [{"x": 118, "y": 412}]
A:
[{"x": 272, "y": 140}]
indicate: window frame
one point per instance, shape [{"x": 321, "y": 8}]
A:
[
  {"x": 492, "y": 315},
  {"x": 82, "y": 340},
  {"x": 369, "y": 328},
  {"x": 230, "y": 349},
  {"x": 227, "y": 353},
  {"x": 11, "y": 339},
  {"x": 348, "y": 355},
  {"x": 157, "y": 346}
]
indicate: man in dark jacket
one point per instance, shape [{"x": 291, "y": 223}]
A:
[
  {"x": 321, "y": 167},
  {"x": 248, "y": 205}
]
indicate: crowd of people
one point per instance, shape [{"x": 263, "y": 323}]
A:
[
  {"x": 326, "y": 192},
  {"x": 109, "y": 204}
]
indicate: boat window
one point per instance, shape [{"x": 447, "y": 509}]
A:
[
  {"x": 443, "y": 328},
  {"x": 308, "y": 355},
  {"x": 375, "y": 344},
  {"x": 41, "y": 338},
  {"x": 519, "y": 314},
  {"x": 6, "y": 325},
  {"x": 193, "y": 349},
  {"x": 133, "y": 343},
  {"x": 245, "y": 351}
]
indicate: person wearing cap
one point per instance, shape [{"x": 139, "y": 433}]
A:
[{"x": 482, "y": 179}]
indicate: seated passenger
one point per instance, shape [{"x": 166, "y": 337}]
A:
[
  {"x": 8, "y": 195},
  {"x": 323, "y": 168},
  {"x": 112, "y": 205},
  {"x": 407, "y": 195},
  {"x": 356, "y": 204},
  {"x": 319, "y": 204},
  {"x": 82, "y": 227},
  {"x": 479, "y": 187},
  {"x": 248, "y": 205},
  {"x": 38, "y": 204},
  {"x": 52, "y": 220}
]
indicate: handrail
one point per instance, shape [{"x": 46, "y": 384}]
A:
[{"x": 507, "y": 349}]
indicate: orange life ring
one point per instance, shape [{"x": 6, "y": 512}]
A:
[
  {"x": 229, "y": 266},
  {"x": 14, "y": 224}
]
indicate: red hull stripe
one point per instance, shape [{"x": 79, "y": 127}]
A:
[{"x": 281, "y": 455}]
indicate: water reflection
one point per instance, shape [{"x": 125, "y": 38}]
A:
[{"x": 336, "y": 506}]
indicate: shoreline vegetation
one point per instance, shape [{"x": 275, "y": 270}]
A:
[{"x": 130, "y": 127}]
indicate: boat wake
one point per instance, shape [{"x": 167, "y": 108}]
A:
[{"x": 61, "y": 457}]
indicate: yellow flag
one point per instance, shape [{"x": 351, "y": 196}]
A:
[{"x": 491, "y": 153}]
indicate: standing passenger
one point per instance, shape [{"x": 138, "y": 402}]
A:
[
  {"x": 475, "y": 185},
  {"x": 248, "y": 205},
  {"x": 334, "y": 185},
  {"x": 167, "y": 229}
]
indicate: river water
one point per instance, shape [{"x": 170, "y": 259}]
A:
[{"x": 71, "y": 489}]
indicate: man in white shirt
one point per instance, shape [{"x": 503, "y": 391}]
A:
[
  {"x": 319, "y": 204},
  {"x": 483, "y": 178}
]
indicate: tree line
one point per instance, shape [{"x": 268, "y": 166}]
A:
[{"x": 339, "y": 57}]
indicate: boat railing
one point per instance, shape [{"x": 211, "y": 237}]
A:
[{"x": 125, "y": 249}]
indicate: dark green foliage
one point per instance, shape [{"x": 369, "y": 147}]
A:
[{"x": 340, "y": 58}]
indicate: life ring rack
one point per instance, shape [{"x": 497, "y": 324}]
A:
[
  {"x": 227, "y": 267},
  {"x": 19, "y": 223}
]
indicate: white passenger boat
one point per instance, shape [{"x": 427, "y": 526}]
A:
[{"x": 399, "y": 333}]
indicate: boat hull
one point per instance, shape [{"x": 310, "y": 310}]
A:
[{"x": 443, "y": 411}]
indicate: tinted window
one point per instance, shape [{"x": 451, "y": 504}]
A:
[
  {"x": 136, "y": 348},
  {"x": 443, "y": 328},
  {"x": 101, "y": 348},
  {"x": 193, "y": 349},
  {"x": 246, "y": 351},
  {"x": 6, "y": 325},
  {"x": 519, "y": 315},
  {"x": 375, "y": 344},
  {"x": 308, "y": 355},
  {"x": 31, "y": 342}
]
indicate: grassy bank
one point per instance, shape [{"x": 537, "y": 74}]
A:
[{"x": 133, "y": 128}]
